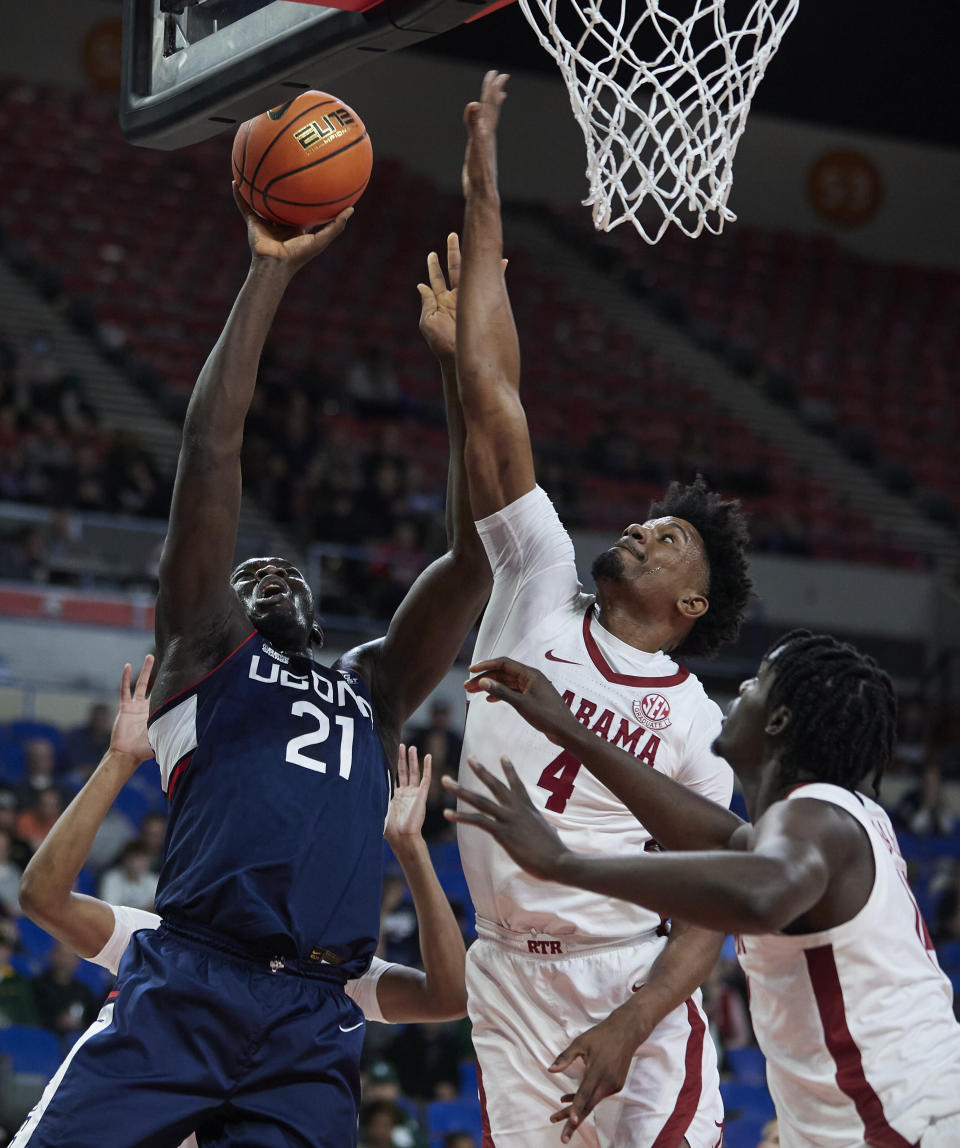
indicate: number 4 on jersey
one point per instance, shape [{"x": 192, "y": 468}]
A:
[{"x": 558, "y": 778}]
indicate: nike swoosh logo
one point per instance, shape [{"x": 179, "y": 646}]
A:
[
  {"x": 552, "y": 657},
  {"x": 352, "y": 1028},
  {"x": 637, "y": 987}
]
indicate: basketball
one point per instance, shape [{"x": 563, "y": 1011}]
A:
[{"x": 302, "y": 162}]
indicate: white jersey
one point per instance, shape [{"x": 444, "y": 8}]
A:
[
  {"x": 643, "y": 702},
  {"x": 857, "y": 1022}
]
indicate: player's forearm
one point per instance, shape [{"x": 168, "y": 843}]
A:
[
  {"x": 224, "y": 389},
  {"x": 444, "y": 995},
  {"x": 729, "y": 892},
  {"x": 53, "y": 869},
  {"x": 675, "y": 816},
  {"x": 488, "y": 350},
  {"x": 681, "y": 968},
  {"x": 462, "y": 537}
]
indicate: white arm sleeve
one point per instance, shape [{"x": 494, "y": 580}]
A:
[
  {"x": 126, "y": 922},
  {"x": 534, "y": 571},
  {"x": 363, "y": 990},
  {"x": 701, "y": 770}
]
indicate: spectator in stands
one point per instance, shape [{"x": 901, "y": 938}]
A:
[
  {"x": 770, "y": 1136},
  {"x": 946, "y": 924},
  {"x": 36, "y": 821},
  {"x": 372, "y": 383},
  {"x": 87, "y": 743},
  {"x": 65, "y": 1006},
  {"x": 398, "y": 923},
  {"x": 22, "y": 556},
  {"x": 384, "y": 1124},
  {"x": 10, "y": 874},
  {"x": 924, "y": 809},
  {"x": 16, "y": 993},
  {"x": 439, "y": 739},
  {"x": 427, "y": 1058},
  {"x": 726, "y": 1009},
  {"x": 130, "y": 882},
  {"x": 459, "y": 1140},
  {"x": 913, "y": 735},
  {"x": 614, "y": 453},
  {"x": 39, "y": 764},
  {"x": 20, "y": 851}
]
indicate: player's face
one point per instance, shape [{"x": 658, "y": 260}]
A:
[
  {"x": 743, "y": 736},
  {"x": 277, "y": 599},
  {"x": 661, "y": 555}
]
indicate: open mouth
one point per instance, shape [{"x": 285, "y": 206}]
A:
[{"x": 271, "y": 587}]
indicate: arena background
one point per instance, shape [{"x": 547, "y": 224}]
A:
[{"x": 805, "y": 360}]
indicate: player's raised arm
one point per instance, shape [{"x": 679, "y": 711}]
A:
[
  {"x": 407, "y": 995},
  {"x": 86, "y": 923},
  {"x": 195, "y": 600},
  {"x": 499, "y": 455},
  {"x": 434, "y": 618},
  {"x": 675, "y": 815}
]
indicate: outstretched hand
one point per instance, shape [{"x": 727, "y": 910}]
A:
[
  {"x": 129, "y": 734},
  {"x": 510, "y": 819},
  {"x": 607, "y": 1051},
  {"x": 438, "y": 302},
  {"x": 481, "y": 118},
  {"x": 529, "y": 692},
  {"x": 408, "y": 805},
  {"x": 290, "y": 247}
]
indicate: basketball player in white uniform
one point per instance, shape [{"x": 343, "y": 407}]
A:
[
  {"x": 848, "y": 1001},
  {"x": 100, "y": 932},
  {"x": 556, "y": 971}
]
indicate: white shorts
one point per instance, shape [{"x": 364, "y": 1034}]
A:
[{"x": 529, "y": 998}]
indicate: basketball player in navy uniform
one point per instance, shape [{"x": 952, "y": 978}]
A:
[
  {"x": 232, "y": 1014},
  {"x": 101, "y": 932}
]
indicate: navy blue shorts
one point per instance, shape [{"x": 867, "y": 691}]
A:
[{"x": 197, "y": 1039}]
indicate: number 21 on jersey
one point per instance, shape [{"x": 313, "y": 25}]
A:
[{"x": 297, "y": 745}]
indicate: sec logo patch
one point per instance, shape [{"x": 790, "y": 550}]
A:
[{"x": 652, "y": 711}]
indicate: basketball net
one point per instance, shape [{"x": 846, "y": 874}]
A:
[{"x": 661, "y": 131}]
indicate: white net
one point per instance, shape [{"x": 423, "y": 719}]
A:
[{"x": 661, "y": 90}]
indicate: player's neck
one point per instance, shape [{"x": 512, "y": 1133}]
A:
[{"x": 648, "y": 634}]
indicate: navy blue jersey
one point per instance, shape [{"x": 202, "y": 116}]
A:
[{"x": 278, "y": 791}]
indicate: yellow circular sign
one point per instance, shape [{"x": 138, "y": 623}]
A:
[
  {"x": 101, "y": 55},
  {"x": 845, "y": 187}
]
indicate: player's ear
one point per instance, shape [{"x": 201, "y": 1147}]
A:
[
  {"x": 316, "y": 633},
  {"x": 693, "y": 605},
  {"x": 778, "y": 721}
]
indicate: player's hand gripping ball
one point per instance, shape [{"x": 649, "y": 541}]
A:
[{"x": 303, "y": 162}]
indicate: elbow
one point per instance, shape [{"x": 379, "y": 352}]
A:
[
  {"x": 34, "y": 900},
  {"x": 765, "y": 909},
  {"x": 451, "y": 1005}
]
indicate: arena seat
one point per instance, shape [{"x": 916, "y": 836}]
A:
[{"x": 31, "y": 1050}]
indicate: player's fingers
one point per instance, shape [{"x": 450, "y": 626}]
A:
[
  {"x": 494, "y": 784},
  {"x": 413, "y": 766},
  {"x": 471, "y": 819},
  {"x": 401, "y": 765},
  {"x": 428, "y": 301},
  {"x": 438, "y": 283},
  {"x": 513, "y": 780},
  {"x": 245, "y": 209},
  {"x": 143, "y": 678},
  {"x": 125, "y": 682},
  {"x": 471, "y": 797},
  {"x": 565, "y": 1058},
  {"x": 453, "y": 259},
  {"x": 427, "y": 771}
]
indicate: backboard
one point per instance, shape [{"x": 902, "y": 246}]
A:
[{"x": 193, "y": 68}]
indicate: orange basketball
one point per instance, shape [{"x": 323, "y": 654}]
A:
[{"x": 303, "y": 162}]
